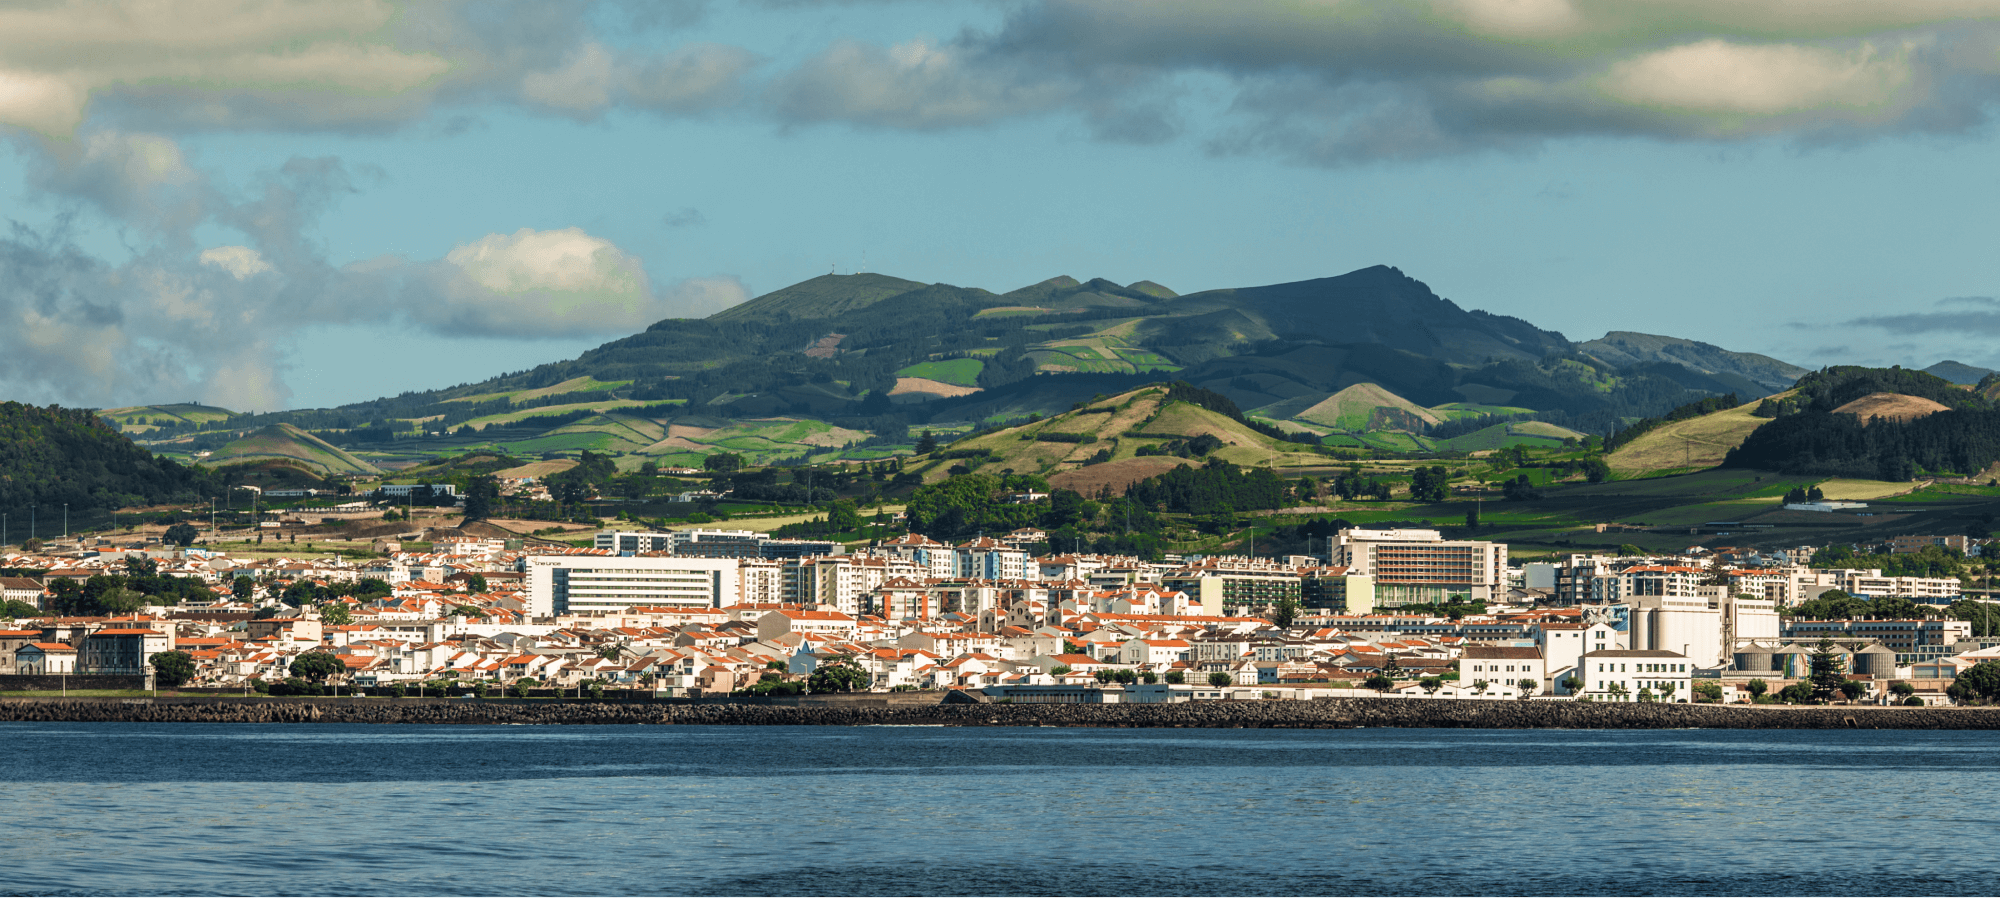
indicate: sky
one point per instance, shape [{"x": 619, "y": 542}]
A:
[{"x": 270, "y": 204}]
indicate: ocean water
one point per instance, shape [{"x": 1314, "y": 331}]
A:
[{"x": 273, "y": 809}]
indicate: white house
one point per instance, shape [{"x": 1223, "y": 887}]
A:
[
  {"x": 1503, "y": 665},
  {"x": 1620, "y": 675}
]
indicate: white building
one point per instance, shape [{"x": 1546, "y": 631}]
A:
[
  {"x": 1420, "y": 566},
  {"x": 1620, "y": 675},
  {"x": 566, "y": 584},
  {"x": 1705, "y": 627},
  {"x": 1503, "y": 665}
]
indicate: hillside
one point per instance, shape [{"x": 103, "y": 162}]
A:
[
  {"x": 1117, "y": 428},
  {"x": 1366, "y": 408},
  {"x": 154, "y": 419},
  {"x": 1890, "y": 407},
  {"x": 826, "y": 296},
  {"x": 1958, "y": 372},
  {"x": 287, "y": 441},
  {"x": 1626, "y": 348},
  {"x": 53, "y": 456},
  {"x": 1690, "y": 445},
  {"x": 1534, "y": 434}
]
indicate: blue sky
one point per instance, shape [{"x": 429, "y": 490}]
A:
[{"x": 267, "y": 204}]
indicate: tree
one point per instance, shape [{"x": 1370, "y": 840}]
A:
[
  {"x": 838, "y": 674},
  {"x": 182, "y": 534},
  {"x": 318, "y": 666},
  {"x": 1284, "y": 612},
  {"x": 1528, "y": 686},
  {"x": 1221, "y": 680},
  {"x": 1480, "y": 686},
  {"x": 479, "y": 497},
  {"x": 1379, "y": 683},
  {"x": 1176, "y": 678},
  {"x": 1902, "y": 689},
  {"x": 1472, "y": 518},
  {"x": 1431, "y": 685},
  {"x": 1853, "y": 689},
  {"x": 1756, "y": 688},
  {"x": 171, "y": 669},
  {"x": 1149, "y": 678},
  {"x": 1572, "y": 685},
  {"x": 475, "y": 584},
  {"x": 1708, "y": 691},
  {"x": 1059, "y": 670},
  {"x": 927, "y": 443},
  {"x": 1980, "y": 681},
  {"x": 723, "y": 463},
  {"x": 242, "y": 587},
  {"x": 521, "y": 687},
  {"x": 1829, "y": 669},
  {"x": 336, "y": 614},
  {"x": 1125, "y": 677},
  {"x": 13, "y": 609},
  {"x": 1800, "y": 691},
  {"x": 1595, "y": 469}
]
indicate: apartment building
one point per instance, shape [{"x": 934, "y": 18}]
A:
[
  {"x": 1422, "y": 567},
  {"x": 568, "y": 584}
]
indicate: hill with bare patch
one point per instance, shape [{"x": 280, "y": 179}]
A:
[{"x": 1891, "y": 407}]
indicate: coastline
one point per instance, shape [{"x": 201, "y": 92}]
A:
[{"x": 1343, "y": 713}]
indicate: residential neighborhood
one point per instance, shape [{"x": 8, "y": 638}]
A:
[{"x": 743, "y": 613}]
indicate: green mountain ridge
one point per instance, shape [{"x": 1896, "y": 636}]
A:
[{"x": 834, "y": 348}]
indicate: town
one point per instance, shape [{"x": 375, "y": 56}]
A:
[{"x": 713, "y": 612}]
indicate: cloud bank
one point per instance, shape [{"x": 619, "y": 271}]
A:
[{"x": 181, "y": 321}]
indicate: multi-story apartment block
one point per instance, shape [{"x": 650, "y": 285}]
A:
[
  {"x": 1421, "y": 567},
  {"x": 566, "y": 584}
]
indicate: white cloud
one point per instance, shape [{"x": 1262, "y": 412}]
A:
[
  {"x": 1717, "y": 76},
  {"x": 918, "y": 84},
  {"x": 240, "y": 261},
  {"x": 553, "y": 284},
  {"x": 686, "y": 79}
]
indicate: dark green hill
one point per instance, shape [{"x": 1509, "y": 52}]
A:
[
  {"x": 1374, "y": 305},
  {"x": 51, "y": 456},
  {"x": 1959, "y": 372},
  {"x": 1626, "y": 348},
  {"x": 864, "y": 352},
  {"x": 826, "y": 296}
]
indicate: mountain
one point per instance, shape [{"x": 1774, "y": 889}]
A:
[
  {"x": 1626, "y": 348},
  {"x": 51, "y": 457},
  {"x": 826, "y": 296},
  {"x": 861, "y": 359},
  {"x": 1959, "y": 372},
  {"x": 284, "y": 441}
]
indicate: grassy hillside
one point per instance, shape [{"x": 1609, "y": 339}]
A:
[
  {"x": 286, "y": 441},
  {"x": 149, "y": 418},
  {"x": 825, "y": 296},
  {"x": 584, "y": 384},
  {"x": 1365, "y": 408},
  {"x": 959, "y": 372},
  {"x": 1537, "y": 434},
  {"x": 1691, "y": 445},
  {"x": 1117, "y": 426}
]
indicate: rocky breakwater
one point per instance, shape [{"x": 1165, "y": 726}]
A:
[{"x": 1318, "y": 714}]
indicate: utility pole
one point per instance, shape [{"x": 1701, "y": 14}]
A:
[{"x": 65, "y": 520}]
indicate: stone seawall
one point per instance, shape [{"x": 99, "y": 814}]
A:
[{"x": 1317, "y": 714}]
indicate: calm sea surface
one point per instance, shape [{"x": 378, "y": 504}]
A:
[{"x": 131, "y": 808}]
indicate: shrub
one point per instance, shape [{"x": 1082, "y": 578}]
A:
[{"x": 1913, "y": 702}]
